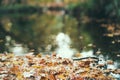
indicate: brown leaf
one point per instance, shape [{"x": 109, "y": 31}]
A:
[{"x": 51, "y": 77}]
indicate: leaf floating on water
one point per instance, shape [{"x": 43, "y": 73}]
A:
[{"x": 110, "y": 35}]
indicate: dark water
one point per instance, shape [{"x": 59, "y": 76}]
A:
[{"x": 38, "y": 31}]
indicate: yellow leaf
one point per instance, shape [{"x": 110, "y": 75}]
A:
[
  {"x": 19, "y": 76},
  {"x": 61, "y": 77}
]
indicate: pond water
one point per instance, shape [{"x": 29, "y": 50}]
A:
[{"x": 38, "y": 31}]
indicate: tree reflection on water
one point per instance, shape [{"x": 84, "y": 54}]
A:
[{"x": 90, "y": 25}]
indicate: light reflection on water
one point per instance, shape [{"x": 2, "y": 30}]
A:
[{"x": 39, "y": 31}]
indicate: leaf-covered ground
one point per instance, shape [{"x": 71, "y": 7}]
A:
[{"x": 51, "y": 67}]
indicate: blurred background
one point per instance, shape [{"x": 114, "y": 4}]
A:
[{"x": 32, "y": 25}]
